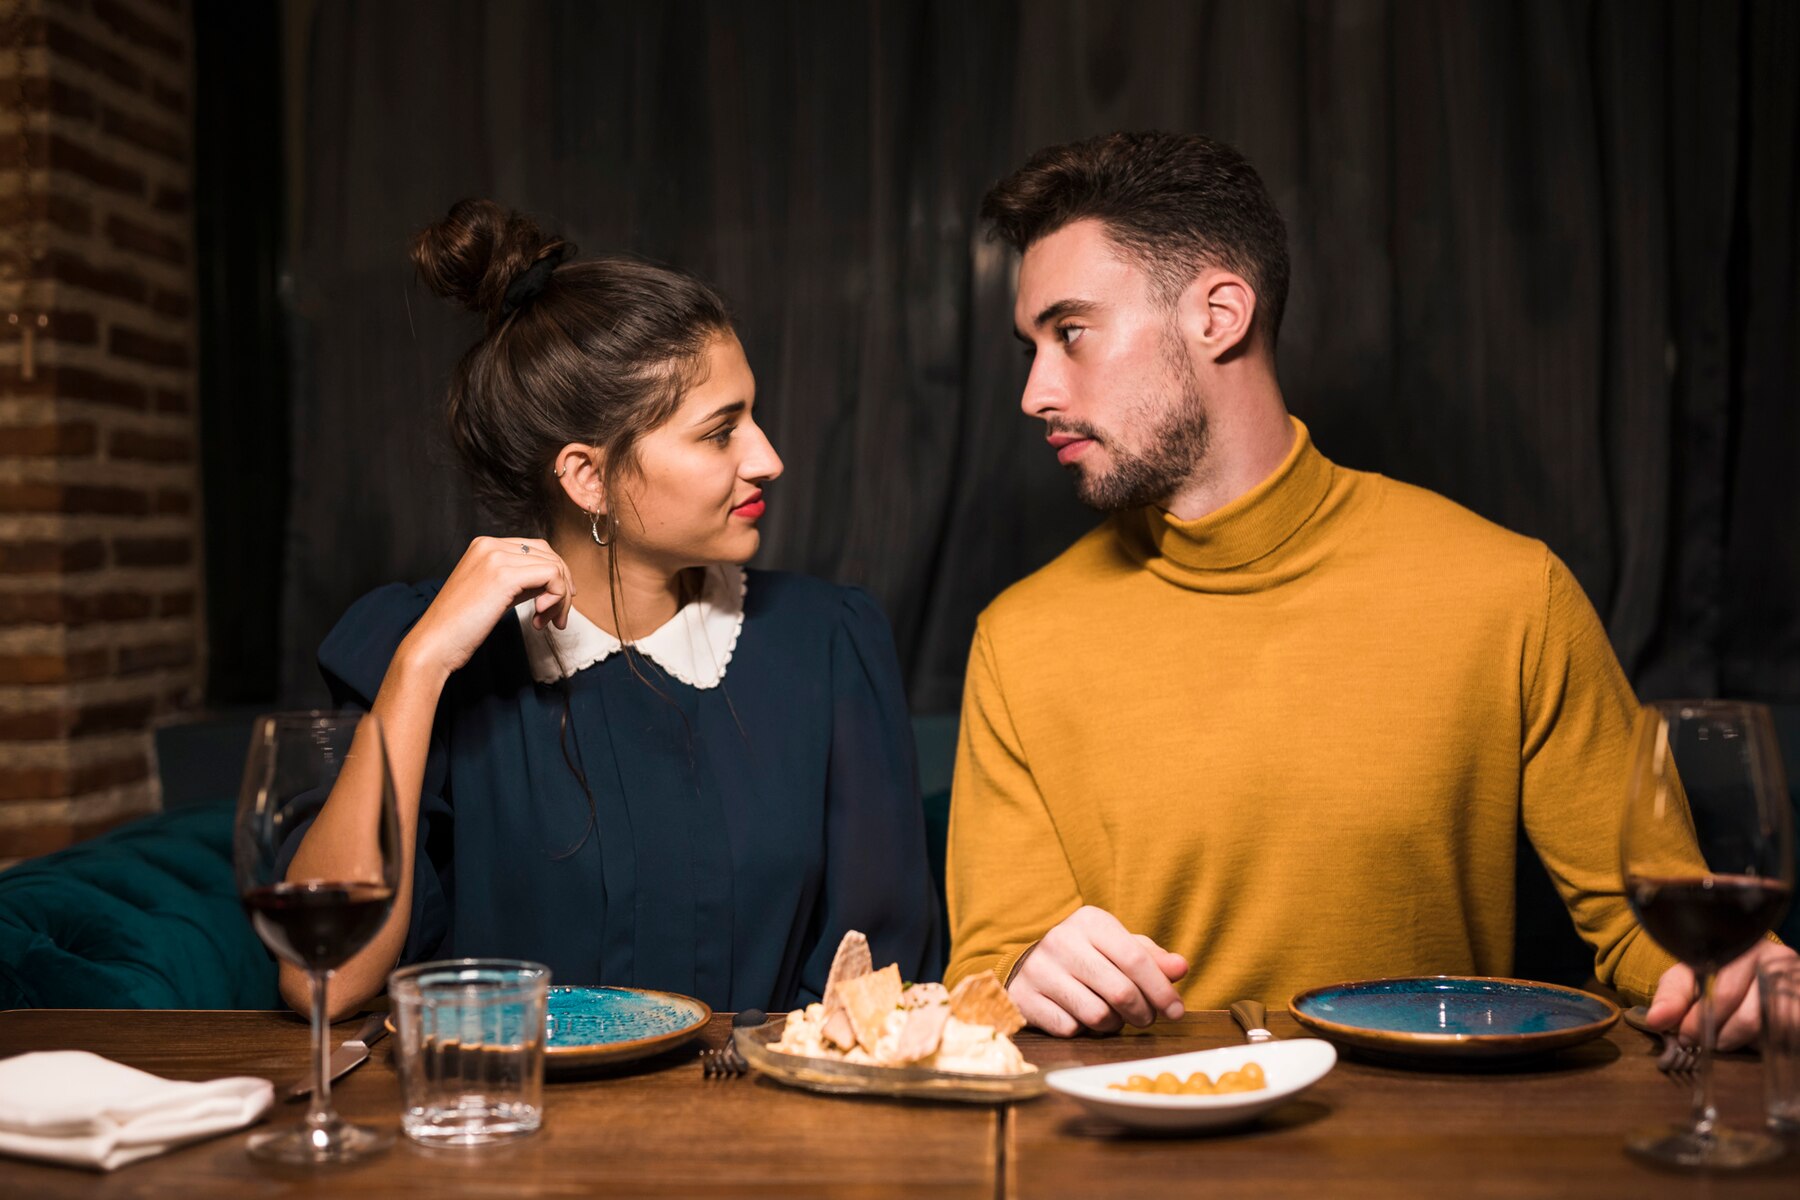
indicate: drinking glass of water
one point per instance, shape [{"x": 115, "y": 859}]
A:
[{"x": 469, "y": 1041}]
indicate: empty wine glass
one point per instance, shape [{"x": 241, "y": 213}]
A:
[
  {"x": 316, "y": 923},
  {"x": 1707, "y": 851}
]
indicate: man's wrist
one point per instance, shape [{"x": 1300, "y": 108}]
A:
[{"x": 1012, "y": 972}]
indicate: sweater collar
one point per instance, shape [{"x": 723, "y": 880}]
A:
[
  {"x": 694, "y": 646},
  {"x": 1250, "y": 542}
]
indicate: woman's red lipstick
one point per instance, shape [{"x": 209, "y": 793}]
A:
[{"x": 751, "y": 508}]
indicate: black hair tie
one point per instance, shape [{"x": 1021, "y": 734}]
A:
[{"x": 527, "y": 284}]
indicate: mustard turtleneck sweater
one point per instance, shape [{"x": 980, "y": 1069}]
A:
[{"x": 1292, "y": 741}]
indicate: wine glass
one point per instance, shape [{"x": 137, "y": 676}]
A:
[
  {"x": 1707, "y": 850},
  {"x": 317, "y": 917}
]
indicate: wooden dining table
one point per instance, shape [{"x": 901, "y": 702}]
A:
[{"x": 1554, "y": 1127}]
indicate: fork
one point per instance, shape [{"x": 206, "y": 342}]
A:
[
  {"x": 728, "y": 1062},
  {"x": 722, "y": 1064},
  {"x": 1677, "y": 1061},
  {"x": 1674, "y": 1059}
]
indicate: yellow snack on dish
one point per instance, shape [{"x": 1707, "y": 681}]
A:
[{"x": 1247, "y": 1078}]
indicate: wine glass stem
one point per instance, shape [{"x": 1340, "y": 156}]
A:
[
  {"x": 318, "y": 1113},
  {"x": 1706, "y": 1114}
]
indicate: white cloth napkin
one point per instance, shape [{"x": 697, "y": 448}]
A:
[{"x": 72, "y": 1107}]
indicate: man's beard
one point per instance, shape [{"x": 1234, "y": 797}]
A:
[{"x": 1174, "y": 445}]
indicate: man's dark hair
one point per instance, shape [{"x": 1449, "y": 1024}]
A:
[{"x": 1177, "y": 202}]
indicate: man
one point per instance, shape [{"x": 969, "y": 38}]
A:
[{"x": 1275, "y": 722}]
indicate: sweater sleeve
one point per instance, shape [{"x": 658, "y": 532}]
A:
[
  {"x": 1007, "y": 877},
  {"x": 1579, "y": 710}
]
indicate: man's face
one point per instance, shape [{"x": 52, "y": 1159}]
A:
[{"x": 1110, "y": 376}]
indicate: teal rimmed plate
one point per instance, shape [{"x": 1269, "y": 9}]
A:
[
  {"x": 587, "y": 1026},
  {"x": 594, "y": 1026},
  {"x": 1453, "y": 1016}
]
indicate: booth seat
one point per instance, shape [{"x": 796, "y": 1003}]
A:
[
  {"x": 144, "y": 916},
  {"x": 147, "y": 915}
]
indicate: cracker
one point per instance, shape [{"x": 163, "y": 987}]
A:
[
  {"x": 838, "y": 1030},
  {"x": 850, "y": 962},
  {"x": 923, "y": 1030},
  {"x": 980, "y": 1000},
  {"x": 869, "y": 999}
]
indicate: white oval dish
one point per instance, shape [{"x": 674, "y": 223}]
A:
[{"x": 1289, "y": 1066}]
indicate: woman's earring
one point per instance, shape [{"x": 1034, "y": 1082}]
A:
[{"x": 594, "y": 525}]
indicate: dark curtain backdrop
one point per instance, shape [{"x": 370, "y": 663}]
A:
[{"x": 1544, "y": 262}]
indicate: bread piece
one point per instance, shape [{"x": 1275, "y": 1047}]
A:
[
  {"x": 850, "y": 962},
  {"x": 869, "y": 1000},
  {"x": 838, "y": 1030},
  {"x": 920, "y": 1036},
  {"x": 980, "y": 1000}
]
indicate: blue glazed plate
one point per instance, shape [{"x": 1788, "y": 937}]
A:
[
  {"x": 1451, "y": 1016},
  {"x": 591, "y": 1025},
  {"x": 585, "y": 1026}
]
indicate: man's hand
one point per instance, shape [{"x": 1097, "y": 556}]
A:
[
  {"x": 1091, "y": 972},
  {"x": 1735, "y": 999}
]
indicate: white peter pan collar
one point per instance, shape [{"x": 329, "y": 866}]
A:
[{"x": 694, "y": 645}]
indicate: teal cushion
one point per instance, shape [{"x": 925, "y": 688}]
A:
[{"x": 146, "y": 916}]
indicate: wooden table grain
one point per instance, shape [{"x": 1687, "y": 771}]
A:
[
  {"x": 658, "y": 1129},
  {"x": 654, "y": 1128},
  {"x": 1556, "y": 1129}
]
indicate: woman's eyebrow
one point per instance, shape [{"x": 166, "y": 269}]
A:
[{"x": 724, "y": 410}]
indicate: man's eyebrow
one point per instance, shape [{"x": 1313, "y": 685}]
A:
[
  {"x": 1059, "y": 310},
  {"x": 724, "y": 410}
]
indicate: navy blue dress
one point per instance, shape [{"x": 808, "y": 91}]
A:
[{"x": 742, "y": 829}]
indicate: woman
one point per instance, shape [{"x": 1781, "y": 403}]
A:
[{"x": 615, "y": 750}]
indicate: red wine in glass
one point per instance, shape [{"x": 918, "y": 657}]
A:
[
  {"x": 1710, "y": 919},
  {"x": 1707, "y": 857},
  {"x": 302, "y": 768},
  {"x": 317, "y": 925}
]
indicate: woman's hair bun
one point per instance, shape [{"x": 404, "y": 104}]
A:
[{"x": 477, "y": 250}]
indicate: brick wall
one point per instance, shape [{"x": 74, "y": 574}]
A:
[{"x": 99, "y": 507}]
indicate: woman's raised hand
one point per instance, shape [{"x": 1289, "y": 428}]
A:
[{"x": 493, "y": 575}]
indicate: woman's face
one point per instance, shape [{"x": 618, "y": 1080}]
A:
[{"x": 696, "y": 494}]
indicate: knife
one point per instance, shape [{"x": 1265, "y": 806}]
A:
[
  {"x": 346, "y": 1057},
  {"x": 1252, "y": 1019}
]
